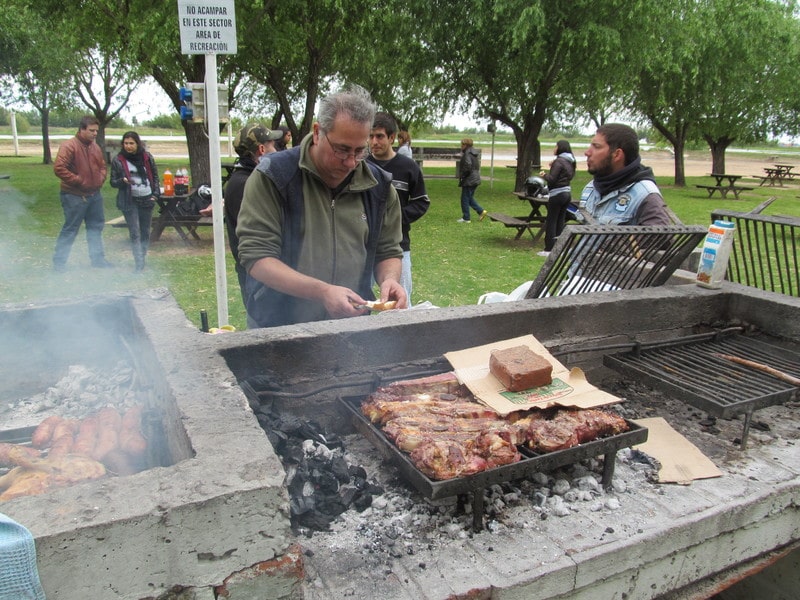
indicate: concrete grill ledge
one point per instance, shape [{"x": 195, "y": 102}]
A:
[
  {"x": 219, "y": 509},
  {"x": 216, "y": 518}
]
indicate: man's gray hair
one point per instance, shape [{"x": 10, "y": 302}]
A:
[{"x": 354, "y": 101}]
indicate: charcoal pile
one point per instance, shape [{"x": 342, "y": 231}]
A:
[{"x": 322, "y": 483}]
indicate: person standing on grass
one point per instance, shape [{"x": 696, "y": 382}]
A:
[
  {"x": 562, "y": 170},
  {"x": 252, "y": 143},
  {"x": 404, "y": 144},
  {"x": 407, "y": 179},
  {"x": 469, "y": 178},
  {"x": 134, "y": 174},
  {"x": 82, "y": 170}
]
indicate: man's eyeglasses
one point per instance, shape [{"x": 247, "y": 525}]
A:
[{"x": 343, "y": 152}]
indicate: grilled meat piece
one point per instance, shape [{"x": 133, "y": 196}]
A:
[
  {"x": 447, "y": 459},
  {"x": 569, "y": 428},
  {"x": 446, "y": 435},
  {"x": 381, "y": 411},
  {"x": 444, "y": 383}
]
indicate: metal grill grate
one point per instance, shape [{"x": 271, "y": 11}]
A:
[
  {"x": 698, "y": 375},
  {"x": 593, "y": 258}
]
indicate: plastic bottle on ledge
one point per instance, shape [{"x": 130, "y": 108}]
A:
[
  {"x": 715, "y": 255},
  {"x": 169, "y": 183}
]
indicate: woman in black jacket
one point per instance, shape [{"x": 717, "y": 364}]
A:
[
  {"x": 134, "y": 174},
  {"x": 562, "y": 170}
]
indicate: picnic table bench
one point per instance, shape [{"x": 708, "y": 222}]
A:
[
  {"x": 169, "y": 215},
  {"x": 776, "y": 175},
  {"x": 521, "y": 224},
  {"x": 534, "y": 220},
  {"x": 725, "y": 183}
]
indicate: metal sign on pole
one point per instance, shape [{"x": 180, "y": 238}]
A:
[{"x": 209, "y": 27}]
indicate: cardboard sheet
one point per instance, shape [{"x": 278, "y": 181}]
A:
[
  {"x": 681, "y": 461},
  {"x": 569, "y": 387}
]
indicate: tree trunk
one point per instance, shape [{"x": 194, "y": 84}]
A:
[
  {"x": 529, "y": 153},
  {"x": 678, "y": 141},
  {"x": 199, "y": 158},
  {"x": 680, "y": 167},
  {"x": 718, "y": 147},
  {"x": 47, "y": 154},
  {"x": 529, "y": 149}
]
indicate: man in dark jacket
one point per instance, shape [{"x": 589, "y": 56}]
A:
[
  {"x": 407, "y": 179},
  {"x": 82, "y": 170},
  {"x": 252, "y": 142}
]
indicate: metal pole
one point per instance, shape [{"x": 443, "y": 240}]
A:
[
  {"x": 14, "y": 132},
  {"x": 212, "y": 121},
  {"x": 491, "y": 171}
]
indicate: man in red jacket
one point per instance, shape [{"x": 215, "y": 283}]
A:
[{"x": 82, "y": 170}]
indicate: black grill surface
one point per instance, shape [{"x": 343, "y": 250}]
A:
[{"x": 695, "y": 373}]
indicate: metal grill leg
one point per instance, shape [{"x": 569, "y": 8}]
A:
[
  {"x": 748, "y": 416},
  {"x": 477, "y": 510},
  {"x": 609, "y": 460}
]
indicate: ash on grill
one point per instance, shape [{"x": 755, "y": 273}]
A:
[
  {"x": 402, "y": 522},
  {"x": 322, "y": 484},
  {"x": 80, "y": 391},
  {"x": 391, "y": 519}
]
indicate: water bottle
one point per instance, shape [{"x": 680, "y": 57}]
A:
[
  {"x": 169, "y": 183},
  {"x": 716, "y": 252}
]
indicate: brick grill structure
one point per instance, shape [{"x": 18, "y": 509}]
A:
[{"x": 211, "y": 521}]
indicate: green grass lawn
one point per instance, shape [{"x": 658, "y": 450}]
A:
[{"x": 453, "y": 263}]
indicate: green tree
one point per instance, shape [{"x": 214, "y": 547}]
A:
[
  {"x": 104, "y": 85},
  {"x": 32, "y": 59},
  {"x": 517, "y": 60},
  {"x": 749, "y": 83},
  {"x": 713, "y": 73}
]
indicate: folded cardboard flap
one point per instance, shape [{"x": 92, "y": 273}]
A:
[
  {"x": 681, "y": 461},
  {"x": 568, "y": 389}
]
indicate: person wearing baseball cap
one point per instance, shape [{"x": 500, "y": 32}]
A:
[
  {"x": 252, "y": 142},
  {"x": 256, "y": 140}
]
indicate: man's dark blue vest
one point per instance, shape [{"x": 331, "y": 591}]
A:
[{"x": 267, "y": 307}]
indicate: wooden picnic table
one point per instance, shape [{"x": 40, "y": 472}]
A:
[
  {"x": 169, "y": 215},
  {"x": 534, "y": 220},
  {"x": 723, "y": 184}
]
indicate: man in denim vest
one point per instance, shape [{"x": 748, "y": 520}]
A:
[{"x": 623, "y": 191}]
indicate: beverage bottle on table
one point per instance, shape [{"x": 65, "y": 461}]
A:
[
  {"x": 180, "y": 182},
  {"x": 169, "y": 183}
]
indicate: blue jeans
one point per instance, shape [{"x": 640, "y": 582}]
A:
[
  {"x": 139, "y": 220},
  {"x": 79, "y": 209},
  {"x": 468, "y": 201}
]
